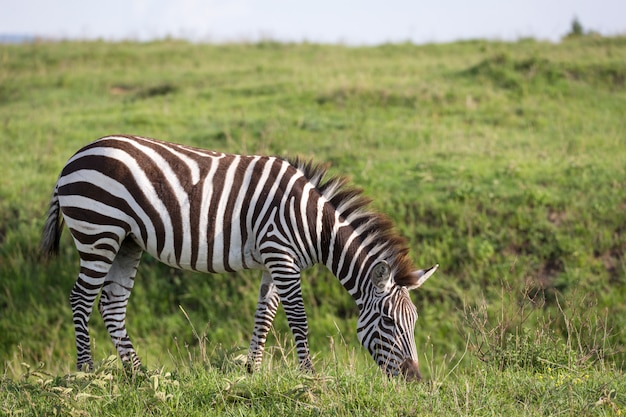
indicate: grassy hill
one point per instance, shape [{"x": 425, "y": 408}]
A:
[{"x": 503, "y": 162}]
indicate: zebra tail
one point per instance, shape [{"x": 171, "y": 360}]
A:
[{"x": 52, "y": 229}]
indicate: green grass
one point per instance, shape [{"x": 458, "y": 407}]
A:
[
  {"x": 503, "y": 162},
  {"x": 216, "y": 384}
]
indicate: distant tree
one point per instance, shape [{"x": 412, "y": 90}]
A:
[{"x": 576, "y": 30}]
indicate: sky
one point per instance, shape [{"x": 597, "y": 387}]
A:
[{"x": 352, "y": 22}]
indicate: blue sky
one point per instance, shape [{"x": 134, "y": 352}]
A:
[{"x": 328, "y": 21}]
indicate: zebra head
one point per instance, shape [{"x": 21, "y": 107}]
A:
[{"x": 386, "y": 324}]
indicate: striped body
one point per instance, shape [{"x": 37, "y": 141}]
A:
[
  {"x": 179, "y": 204},
  {"x": 212, "y": 212}
]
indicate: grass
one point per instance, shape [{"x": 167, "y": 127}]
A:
[
  {"x": 502, "y": 162},
  {"x": 214, "y": 382},
  {"x": 532, "y": 379}
]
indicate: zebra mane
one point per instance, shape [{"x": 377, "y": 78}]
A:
[{"x": 353, "y": 206}]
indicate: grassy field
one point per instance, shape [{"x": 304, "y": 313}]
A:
[{"x": 503, "y": 162}]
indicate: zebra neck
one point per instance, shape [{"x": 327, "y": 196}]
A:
[{"x": 345, "y": 257}]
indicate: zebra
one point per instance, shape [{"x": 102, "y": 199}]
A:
[{"x": 215, "y": 212}]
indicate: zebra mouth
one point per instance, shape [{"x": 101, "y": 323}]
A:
[{"x": 410, "y": 370}]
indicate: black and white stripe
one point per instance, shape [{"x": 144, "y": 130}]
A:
[{"x": 213, "y": 212}]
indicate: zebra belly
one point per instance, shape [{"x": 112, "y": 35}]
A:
[{"x": 211, "y": 257}]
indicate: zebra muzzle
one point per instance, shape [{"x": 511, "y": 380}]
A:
[{"x": 410, "y": 370}]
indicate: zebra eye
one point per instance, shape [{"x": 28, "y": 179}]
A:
[{"x": 388, "y": 321}]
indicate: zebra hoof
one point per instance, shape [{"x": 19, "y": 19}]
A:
[
  {"x": 85, "y": 367},
  {"x": 252, "y": 367}
]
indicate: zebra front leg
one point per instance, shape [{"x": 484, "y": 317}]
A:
[
  {"x": 114, "y": 300},
  {"x": 290, "y": 293},
  {"x": 263, "y": 318}
]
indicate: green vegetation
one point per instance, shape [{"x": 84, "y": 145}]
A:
[{"x": 503, "y": 162}]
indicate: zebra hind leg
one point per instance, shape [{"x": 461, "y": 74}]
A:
[
  {"x": 82, "y": 298},
  {"x": 263, "y": 318},
  {"x": 93, "y": 270},
  {"x": 114, "y": 299}
]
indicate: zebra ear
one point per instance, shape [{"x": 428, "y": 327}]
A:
[
  {"x": 420, "y": 276},
  {"x": 380, "y": 275}
]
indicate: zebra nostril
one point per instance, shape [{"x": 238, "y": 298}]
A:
[{"x": 410, "y": 370}]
